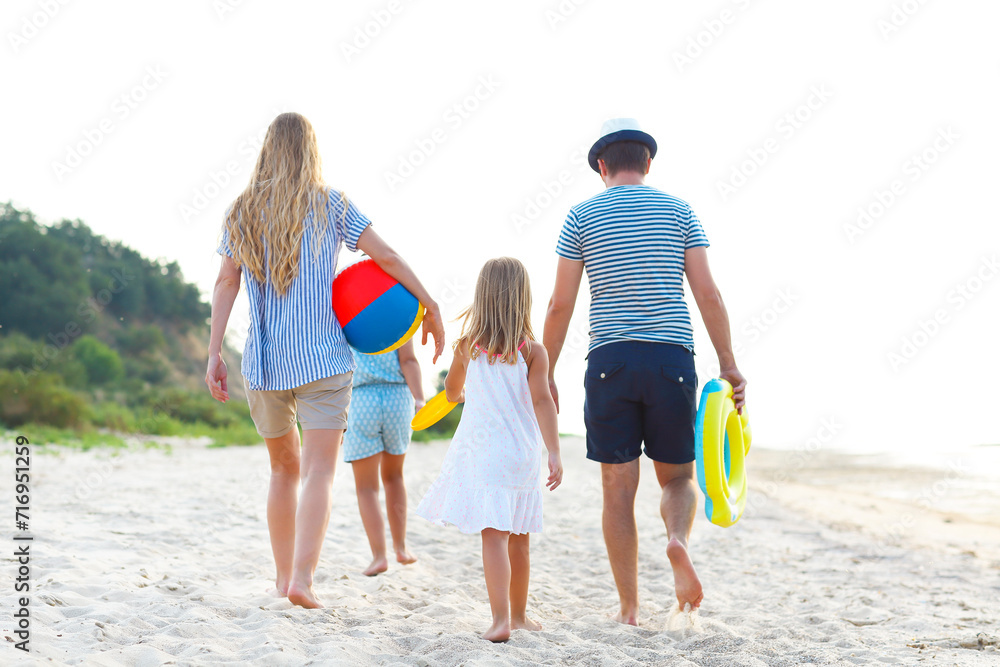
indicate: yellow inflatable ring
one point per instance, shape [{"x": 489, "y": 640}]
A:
[{"x": 721, "y": 442}]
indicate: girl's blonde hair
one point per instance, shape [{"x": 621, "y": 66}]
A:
[
  {"x": 499, "y": 319},
  {"x": 270, "y": 214}
]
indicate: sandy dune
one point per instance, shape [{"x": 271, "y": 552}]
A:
[{"x": 161, "y": 557}]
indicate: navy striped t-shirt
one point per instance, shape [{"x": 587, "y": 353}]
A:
[
  {"x": 631, "y": 240},
  {"x": 294, "y": 339}
]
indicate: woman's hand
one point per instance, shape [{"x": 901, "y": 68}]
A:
[
  {"x": 215, "y": 378},
  {"x": 555, "y": 471},
  {"x": 432, "y": 325}
]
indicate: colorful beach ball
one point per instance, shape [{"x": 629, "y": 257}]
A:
[{"x": 376, "y": 313}]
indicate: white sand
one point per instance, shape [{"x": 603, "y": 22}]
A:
[{"x": 155, "y": 557}]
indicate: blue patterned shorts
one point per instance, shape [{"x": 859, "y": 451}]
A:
[{"x": 379, "y": 421}]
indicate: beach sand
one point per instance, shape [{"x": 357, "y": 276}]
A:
[{"x": 160, "y": 556}]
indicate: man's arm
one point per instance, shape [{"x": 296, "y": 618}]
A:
[
  {"x": 713, "y": 312},
  {"x": 569, "y": 273}
]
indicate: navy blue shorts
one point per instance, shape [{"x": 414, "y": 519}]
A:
[{"x": 640, "y": 394}]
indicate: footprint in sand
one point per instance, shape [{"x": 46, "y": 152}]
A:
[{"x": 683, "y": 623}]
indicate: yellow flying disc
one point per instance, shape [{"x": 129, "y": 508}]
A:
[{"x": 433, "y": 412}]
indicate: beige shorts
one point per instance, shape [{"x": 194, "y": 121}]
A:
[{"x": 319, "y": 404}]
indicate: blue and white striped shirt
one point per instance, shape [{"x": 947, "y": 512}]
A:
[
  {"x": 631, "y": 240},
  {"x": 295, "y": 339}
]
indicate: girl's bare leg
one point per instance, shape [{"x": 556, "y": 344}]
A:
[
  {"x": 496, "y": 567},
  {"x": 395, "y": 505},
  {"x": 282, "y": 496},
  {"x": 320, "y": 448},
  {"x": 366, "y": 484},
  {"x": 520, "y": 568}
]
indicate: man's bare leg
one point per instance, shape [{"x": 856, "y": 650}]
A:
[
  {"x": 678, "y": 503},
  {"x": 620, "y": 482}
]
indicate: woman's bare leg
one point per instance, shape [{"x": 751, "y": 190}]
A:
[
  {"x": 282, "y": 499},
  {"x": 320, "y": 448}
]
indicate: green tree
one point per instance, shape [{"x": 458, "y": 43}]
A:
[{"x": 102, "y": 364}]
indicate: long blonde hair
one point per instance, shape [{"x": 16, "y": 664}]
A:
[
  {"x": 499, "y": 319},
  {"x": 270, "y": 214}
]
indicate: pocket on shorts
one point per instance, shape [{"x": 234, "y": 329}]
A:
[
  {"x": 684, "y": 377},
  {"x": 602, "y": 372}
]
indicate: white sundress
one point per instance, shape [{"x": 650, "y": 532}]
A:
[{"x": 491, "y": 475}]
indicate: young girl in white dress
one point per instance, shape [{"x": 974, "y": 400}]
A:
[{"x": 490, "y": 479}]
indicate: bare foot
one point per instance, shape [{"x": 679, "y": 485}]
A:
[
  {"x": 304, "y": 596},
  {"x": 525, "y": 624},
  {"x": 378, "y": 566},
  {"x": 280, "y": 589},
  {"x": 627, "y": 619},
  {"x": 405, "y": 557},
  {"x": 498, "y": 632},
  {"x": 687, "y": 586}
]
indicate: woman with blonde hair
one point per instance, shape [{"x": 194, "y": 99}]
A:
[
  {"x": 490, "y": 478},
  {"x": 283, "y": 235}
]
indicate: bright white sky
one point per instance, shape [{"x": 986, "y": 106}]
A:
[{"x": 202, "y": 82}]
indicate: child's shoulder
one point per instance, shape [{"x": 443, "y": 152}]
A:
[
  {"x": 534, "y": 349},
  {"x": 461, "y": 348}
]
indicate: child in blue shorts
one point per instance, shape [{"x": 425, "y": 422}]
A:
[{"x": 386, "y": 391}]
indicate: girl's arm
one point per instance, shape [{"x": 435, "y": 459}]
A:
[
  {"x": 454, "y": 383},
  {"x": 545, "y": 409},
  {"x": 389, "y": 261},
  {"x": 410, "y": 368},
  {"x": 227, "y": 286}
]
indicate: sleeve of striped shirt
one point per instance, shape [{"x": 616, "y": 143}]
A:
[
  {"x": 349, "y": 224},
  {"x": 223, "y": 248},
  {"x": 569, "y": 245},
  {"x": 695, "y": 236}
]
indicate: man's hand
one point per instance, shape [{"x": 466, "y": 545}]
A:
[
  {"x": 215, "y": 378},
  {"x": 735, "y": 378},
  {"x": 432, "y": 325},
  {"x": 555, "y": 393}
]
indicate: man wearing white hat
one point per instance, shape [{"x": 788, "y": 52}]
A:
[{"x": 636, "y": 244}]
